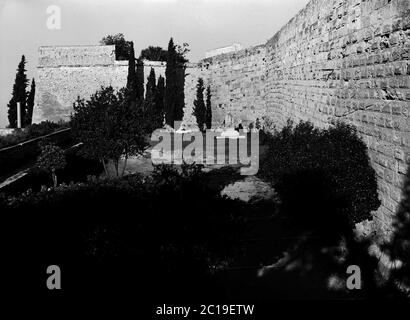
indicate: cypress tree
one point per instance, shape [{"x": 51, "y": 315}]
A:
[
  {"x": 30, "y": 103},
  {"x": 208, "y": 119},
  {"x": 132, "y": 76},
  {"x": 180, "y": 94},
  {"x": 151, "y": 85},
  {"x": 159, "y": 102},
  {"x": 139, "y": 85},
  {"x": 199, "y": 105},
  {"x": 171, "y": 86},
  {"x": 19, "y": 95},
  {"x": 149, "y": 109}
]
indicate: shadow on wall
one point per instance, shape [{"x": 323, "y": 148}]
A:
[
  {"x": 325, "y": 184},
  {"x": 51, "y": 109},
  {"x": 399, "y": 246}
]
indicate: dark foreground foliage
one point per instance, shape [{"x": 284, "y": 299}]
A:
[
  {"x": 325, "y": 185},
  {"x": 399, "y": 246},
  {"x": 169, "y": 231},
  {"x": 326, "y": 171}
]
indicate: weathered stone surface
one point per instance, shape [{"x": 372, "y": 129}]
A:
[{"x": 65, "y": 73}]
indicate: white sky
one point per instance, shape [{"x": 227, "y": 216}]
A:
[{"x": 204, "y": 24}]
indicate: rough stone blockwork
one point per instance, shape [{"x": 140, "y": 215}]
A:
[
  {"x": 345, "y": 60},
  {"x": 68, "y": 72},
  {"x": 237, "y": 83}
]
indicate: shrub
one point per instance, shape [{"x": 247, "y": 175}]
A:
[
  {"x": 157, "y": 225},
  {"x": 323, "y": 177},
  {"x": 31, "y": 132},
  {"x": 51, "y": 159},
  {"x": 122, "y": 46},
  {"x": 110, "y": 127}
]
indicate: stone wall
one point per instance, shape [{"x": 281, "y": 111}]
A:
[
  {"x": 65, "y": 73},
  {"x": 237, "y": 82},
  {"x": 337, "y": 60},
  {"x": 349, "y": 60}
]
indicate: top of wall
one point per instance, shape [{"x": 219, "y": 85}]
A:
[
  {"x": 87, "y": 56},
  {"x": 57, "y": 56},
  {"x": 259, "y": 49},
  {"x": 227, "y": 49},
  {"x": 302, "y": 22}
]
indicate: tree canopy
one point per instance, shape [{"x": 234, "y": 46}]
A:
[
  {"x": 109, "y": 126},
  {"x": 122, "y": 46},
  {"x": 19, "y": 94},
  {"x": 199, "y": 105}
]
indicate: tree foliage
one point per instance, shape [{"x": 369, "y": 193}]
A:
[
  {"x": 139, "y": 88},
  {"x": 30, "y": 103},
  {"x": 110, "y": 127},
  {"x": 132, "y": 75},
  {"x": 51, "y": 159},
  {"x": 200, "y": 111},
  {"x": 154, "y": 54},
  {"x": 159, "y": 103},
  {"x": 19, "y": 94},
  {"x": 149, "y": 103},
  {"x": 399, "y": 246},
  {"x": 122, "y": 47},
  {"x": 208, "y": 118},
  {"x": 327, "y": 170},
  {"x": 175, "y": 81}
]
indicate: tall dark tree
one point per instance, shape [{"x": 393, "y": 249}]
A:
[
  {"x": 175, "y": 81},
  {"x": 30, "y": 103},
  {"x": 149, "y": 103},
  {"x": 159, "y": 102},
  {"x": 132, "y": 75},
  {"x": 19, "y": 95},
  {"x": 122, "y": 47},
  {"x": 171, "y": 85},
  {"x": 199, "y": 105},
  {"x": 208, "y": 118},
  {"x": 180, "y": 93},
  {"x": 139, "y": 86}
]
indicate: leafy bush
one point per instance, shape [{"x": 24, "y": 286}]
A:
[
  {"x": 51, "y": 159},
  {"x": 122, "y": 46},
  {"x": 109, "y": 126},
  {"x": 154, "y": 53},
  {"x": 169, "y": 226},
  {"x": 323, "y": 177},
  {"x": 31, "y": 132}
]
